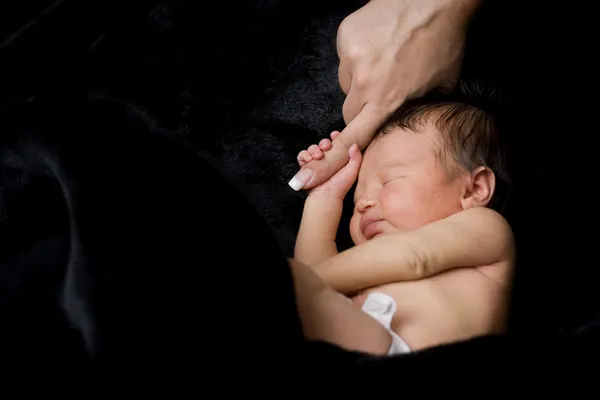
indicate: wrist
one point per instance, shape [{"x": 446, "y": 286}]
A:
[
  {"x": 321, "y": 217},
  {"x": 324, "y": 199}
]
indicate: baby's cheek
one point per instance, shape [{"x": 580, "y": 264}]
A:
[
  {"x": 355, "y": 229},
  {"x": 392, "y": 204},
  {"x": 398, "y": 210}
]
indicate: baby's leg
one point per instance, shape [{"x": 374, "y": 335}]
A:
[{"x": 328, "y": 316}]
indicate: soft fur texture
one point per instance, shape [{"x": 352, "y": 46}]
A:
[{"x": 113, "y": 245}]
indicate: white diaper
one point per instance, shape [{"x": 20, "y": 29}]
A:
[{"x": 382, "y": 308}]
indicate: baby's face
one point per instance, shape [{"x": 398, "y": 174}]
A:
[{"x": 402, "y": 185}]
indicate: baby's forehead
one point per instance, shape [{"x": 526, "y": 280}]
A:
[{"x": 402, "y": 146}]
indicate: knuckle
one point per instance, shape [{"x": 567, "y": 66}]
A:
[
  {"x": 344, "y": 29},
  {"x": 381, "y": 111},
  {"x": 360, "y": 82},
  {"x": 344, "y": 79},
  {"x": 348, "y": 41},
  {"x": 355, "y": 52},
  {"x": 392, "y": 98}
]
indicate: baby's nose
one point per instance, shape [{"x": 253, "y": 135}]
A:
[{"x": 364, "y": 204}]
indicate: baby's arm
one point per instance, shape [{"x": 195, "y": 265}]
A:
[
  {"x": 323, "y": 209},
  {"x": 330, "y": 317},
  {"x": 471, "y": 238},
  {"x": 316, "y": 237}
]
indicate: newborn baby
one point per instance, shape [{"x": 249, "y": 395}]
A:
[{"x": 432, "y": 262}]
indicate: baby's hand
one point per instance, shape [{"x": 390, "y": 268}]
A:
[
  {"x": 315, "y": 152},
  {"x": 340, "y": 183}
]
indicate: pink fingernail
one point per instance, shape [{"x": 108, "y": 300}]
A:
[{"x": 301, "y": 179}]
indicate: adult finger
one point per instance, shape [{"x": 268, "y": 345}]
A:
[
  {"x": 353, "y": 104},
  {"x": 362, "y": 128},
  {"x": 360, "y": 131}
]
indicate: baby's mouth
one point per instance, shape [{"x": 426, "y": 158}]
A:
[{"x": 372, "y": 229}]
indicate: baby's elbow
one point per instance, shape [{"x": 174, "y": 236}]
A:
[
  {"x": 501, "y": 234},
  {"x": 493, "y": 235},
  {"x": 421, "y": 261},
  {"x": 408, "y": 257},
  {"x": 423, "y": 265}
]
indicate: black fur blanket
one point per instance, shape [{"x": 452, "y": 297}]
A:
[{"x": 145, "y": 149}]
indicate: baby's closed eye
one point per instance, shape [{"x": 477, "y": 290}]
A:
[{"x": 391, "y": 179}]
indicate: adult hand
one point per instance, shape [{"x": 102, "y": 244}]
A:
[{"x": 390, "y": 51}]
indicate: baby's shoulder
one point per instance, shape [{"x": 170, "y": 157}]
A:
[
  {"x": 483, "y": 222},
  {"x": 478, "y": 214}
]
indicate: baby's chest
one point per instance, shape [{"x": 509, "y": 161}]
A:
[{"x": 455, "y": 304}]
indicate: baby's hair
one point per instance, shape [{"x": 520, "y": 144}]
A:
[{"x": 468, "y": 121}]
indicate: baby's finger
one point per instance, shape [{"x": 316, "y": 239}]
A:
[
  {"x": 355, "y": 160},
  {"x": 345, "y": 177},
  {"x": 304, "y": 157},
  {"x": 354, "y": 153},
  {"x": 325, "y": 144},
  {"x": 334, "y": 134},
  {"x": 315, "y": 152}
]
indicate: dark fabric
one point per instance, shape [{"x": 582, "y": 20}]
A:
[
  {"x": 539, "y": 55},
  {"x": 145, "y": 150},
  {"x": 138, "y": 251}
]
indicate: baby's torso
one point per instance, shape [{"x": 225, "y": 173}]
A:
[{"x": 456, "y": 305}]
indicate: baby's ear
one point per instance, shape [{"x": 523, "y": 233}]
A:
[{"x": 480, "y": 188}]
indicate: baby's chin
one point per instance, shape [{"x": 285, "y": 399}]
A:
[{"x": 357, "y": 238}]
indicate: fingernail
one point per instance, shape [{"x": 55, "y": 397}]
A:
[{"x": 301, "y": 179}]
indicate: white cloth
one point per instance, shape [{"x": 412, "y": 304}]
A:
[{"x": 382, "y": 308}]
